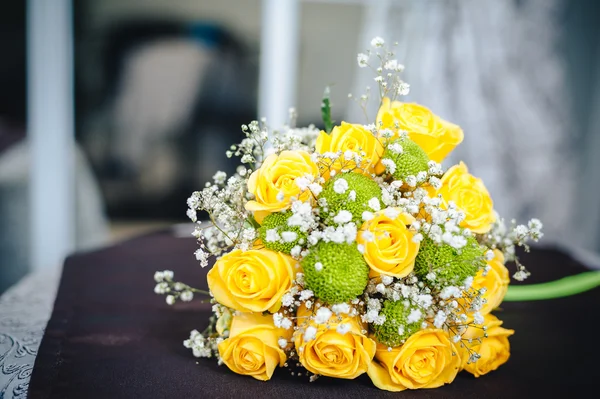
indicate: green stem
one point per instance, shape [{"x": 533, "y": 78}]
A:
[{"x": 563, "y": 287}]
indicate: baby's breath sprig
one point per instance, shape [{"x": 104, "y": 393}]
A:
[
  {"x": 205, "y": 343},
  {"x": 387, "y": 72},
  {"x": 174, "y": 289},
  {"x": 507, "y": 239}
]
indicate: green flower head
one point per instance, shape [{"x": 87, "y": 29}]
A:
[
  {"x": 409, "y": 159},
  {"x": 335, "y": 273},
  {"x": 277, "y": 235},
  {"x": 451, "y": 266},
  {"x": 351, "y": 192},
  {"x": 396, "y": 327}
]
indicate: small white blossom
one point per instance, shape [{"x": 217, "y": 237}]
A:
[
  {"x": 387, "y": 280},
  {"x": 520, "y": 275},
  {"x": 272, "y": 236},
  {"x": 377, "y": 42},
  {"x": 396, "y": 148},
  {"x": 343, "y": 216},
  {"x": 343, "y": 328},
  {"x": 368, "y": 236},
  {"x": 391, "y": 65},
  {"x": 323, "y": 315},
  {"x": 362, "y": 60},
  {"x": 403, "y": 88},
  {"x": 282, "y": 343},
  {"x": 310, "y": 333},
  {"x": 289, "y": 236},
  {"x": 220, "y": 177},
  {"x": 387, "y": 133},
  {"x": 295, "y": 252},
  {"x": 417, "y": 238},
  {"x": 306, "y": 294},
  {"x": 366, "y": 216},
  {"x": 449, "y": 292},
  {"x": 414, "y": 316},
  {"x": 340, "y": 186},
  {"x": 187, "y": 296},
  {"x": 389, "y": 164},
  {"x": 158, "y": 277},
  {"x": 286, "y": 300},
  {"x": 352, "y": 195},
  {"x": 315, "y": 188},
  {"x": 286, "y": 324},
  {"x": 440, "y": 319},
  {"x": 374, "y": 204},
  {"x": 468, "y": 282},
  {"x": 341, "y": 308},
  {"x": 170, "y": 299},
  {"x": 280, "y": 196}
]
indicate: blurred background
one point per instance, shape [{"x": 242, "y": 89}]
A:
[{"x": 154, "y": 92}]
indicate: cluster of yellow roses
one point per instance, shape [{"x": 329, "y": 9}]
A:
[{"x": 251, "y": 283}]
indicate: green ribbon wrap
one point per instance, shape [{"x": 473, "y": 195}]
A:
[{"x": 563, "y": 287}]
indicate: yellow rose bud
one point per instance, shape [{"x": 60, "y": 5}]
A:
[
  {"x": 354, "y": 138},
  {"x": 389, "y": 248},
  {"x": 251, "y": 281},
  {"x": 493, "y": 349},
  {"x": 426, "y": 360},
  {"x": 274, "y": 183},
  {"x": 470, "y": 195},
  {"x": 331, "y": 353},
  {"x": 434, "y": 135},
  {"x": 252, "y": 347},
  {"x": 495, "y": 282}
]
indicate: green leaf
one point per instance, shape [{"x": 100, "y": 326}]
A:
[
  {"x": 326, "y": 111},
  {"x": 252, "y": 222}
]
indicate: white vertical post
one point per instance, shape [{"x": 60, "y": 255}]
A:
[
  {"x": 50, "y": 130},
  {"x": 278, "y": 60}
]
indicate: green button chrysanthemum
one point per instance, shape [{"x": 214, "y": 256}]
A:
[
  {"x": 396, "y": 328},
  {"x": 278, "y": 221},
  {"x": 451, "y": 266},
  {"x": 335, "y": 273},
  {"x": 410, "y": 161},
  {"x": 354, "y": 198}
]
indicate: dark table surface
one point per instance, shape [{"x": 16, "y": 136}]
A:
[{"x": 110, "y": 336}]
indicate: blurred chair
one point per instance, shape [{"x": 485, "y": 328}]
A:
[{"x": 175, "y": 99}]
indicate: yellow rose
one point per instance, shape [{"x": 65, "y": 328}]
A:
[
  {"x": 470, "y": 195},
  {"x": 354, "y": 138},
  {"x": 434, "y": 135},
  {"x": 331, "y": 353},
  {"x": 389, "y": 248},
  {"x": 426, "y": 360},
  {"x": 252, "y": 347},
  {"x": 274, "y": 183},
  {"x": 251, "y": 281},
  {"x": 495, "y": 282},
  {"x": 493, "y": 349}
]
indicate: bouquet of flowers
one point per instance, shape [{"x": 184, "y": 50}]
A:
[{"x": 351, "y": 250}]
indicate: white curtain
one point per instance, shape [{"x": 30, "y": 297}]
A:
[{"x": 492, "y": 67}]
